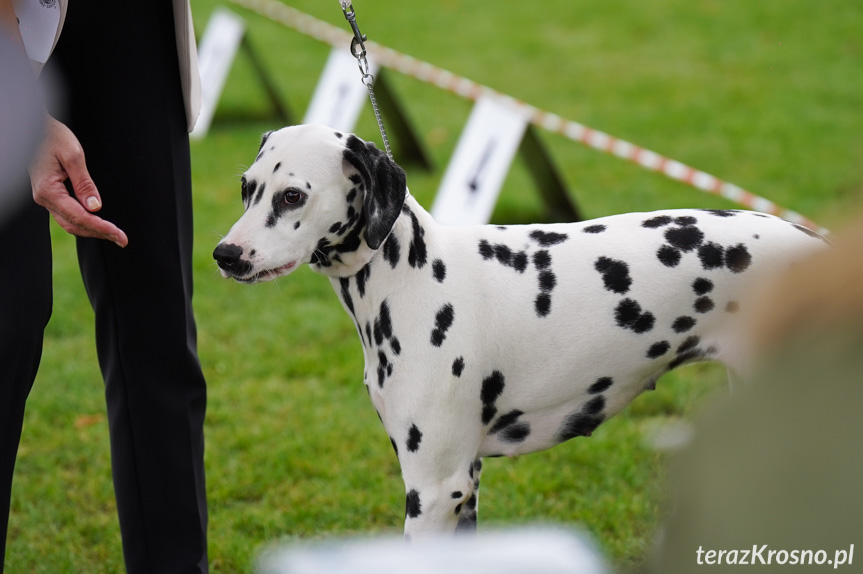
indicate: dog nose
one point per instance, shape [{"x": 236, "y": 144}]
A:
[{"x": 227, "y": 255}]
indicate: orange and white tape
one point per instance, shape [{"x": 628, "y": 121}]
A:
[{"x": 466, "y": 88}]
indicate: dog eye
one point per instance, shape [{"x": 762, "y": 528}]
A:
[{"x": 292, "y": 196}]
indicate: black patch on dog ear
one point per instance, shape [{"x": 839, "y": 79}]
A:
[
  {"x": 384, "y": 186},
  {"x": 264, "y": 139}
]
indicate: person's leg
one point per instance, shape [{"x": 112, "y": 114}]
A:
[
  {"x": 126, "y": 108},
  {"x": 25, "y": 306}
]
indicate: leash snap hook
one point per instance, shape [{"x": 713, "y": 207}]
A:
[{"x": 358, "y": 48}]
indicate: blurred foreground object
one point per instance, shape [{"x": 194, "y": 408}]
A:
[
  {"x": 21, "y": 122},
  {"x": 525, "y": 551},
  {"x": 780, "y": 463}
]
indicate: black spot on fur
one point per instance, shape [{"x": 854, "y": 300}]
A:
[
  {"x": 685, "y": 220},
  {"x": 547, "y": 281},
  {"x": 684, "y": 238},
  {"x": 443, "y": 321},
  {"x": 712, "y": 256},
  {"x": 383, "y": 365},
  {"x": 439, "y": 270},
  {"x": 414, "y": 438},
  {"x": 704, "y": 304},
  {"x": 668, "y": 255},
  {"x": 547, "y": 239},
  {"x": 515, "y": 433},
  {"x": 629, "y": 316},
  {"x": 362, "y": 277},
  {"x": 345, "y": 284},
  {"x": 352, "y": 195},
  {"x": 543, "y": 304},
  {"x": 504, "y": 421},
  {"x": 594, "y": 406},
  {"x": 278, "y": 165},
  {"x": 541, "y": 259},
  {"x": 683, "y": 324},
  {"x": 417, "y": 253},
  {"x": 335, "y": 226},
  {"x": 656, "y": 350},
  {"x": 503, "y": 254},
  {"x": 689, "y": 344},
  {"x": 601, "y": 385},
  {"x": 456, "y": 495},
  {"x": 384, "y": 320},
  {"x": 579, "y": 424},
  {"x": 594, "y": 229},
  {"x": 297, "y": 225},
  {"x": 396, "y": 346},
  {"x": 519, "y": 261},
  {"x": 655, "y": 222},
  {"x": 737, "y": 258},
  {"x": 458, "y": 366},
  {"x": 721, "y": 212},
  {"x": 702, "y": 286},
  {"x": 615, "y": 274},
  {"x": 688, "y": 351},
  {"x": 338, "y": 135},
  {"x": 413, "y": 508},
  {"x": 471, "y": 502},
  {"x": 492, "y": 388},
  {"x": 392, "y": 250}
]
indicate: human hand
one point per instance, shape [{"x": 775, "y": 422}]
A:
[{"x": 59, "y": 158}]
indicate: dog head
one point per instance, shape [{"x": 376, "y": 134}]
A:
[{"x": 313, "y": 195}]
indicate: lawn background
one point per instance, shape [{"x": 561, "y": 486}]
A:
[{"x": 766, "y": 94}]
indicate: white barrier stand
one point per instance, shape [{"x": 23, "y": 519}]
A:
[
  {"x": 480, "y": 162},
  {"x": 340, "y": 94},
  {"x": 217, "y": 51}
]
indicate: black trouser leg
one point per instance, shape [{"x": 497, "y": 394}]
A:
[
  {"x": 125, "y": 106},
  {"x": 25, "y": 306}
]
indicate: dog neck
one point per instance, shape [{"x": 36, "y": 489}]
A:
[{"x": 366, "y": 278}]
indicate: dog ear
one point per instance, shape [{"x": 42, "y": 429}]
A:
[
  {"x": 264, "y": 139},
  {"x": 384, "y": 185}
]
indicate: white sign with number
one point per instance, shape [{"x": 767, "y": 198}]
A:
[
  {"x": 480, "y": 162},
  {"x": 340, "y": 93},
  {"x": 215, "y": 55}
]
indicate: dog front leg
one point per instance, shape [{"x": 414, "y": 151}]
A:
[
  {"x": 443, "y": 505},
  {"x": 468, "y": 512}
]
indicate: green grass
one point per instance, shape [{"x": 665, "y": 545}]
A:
[{"x": 764, "y": 94}]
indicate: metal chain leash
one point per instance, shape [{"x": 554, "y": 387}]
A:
[{"x": 358, "y": 49}]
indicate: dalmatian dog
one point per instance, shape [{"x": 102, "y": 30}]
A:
[{"x": 487, "y": 340}]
